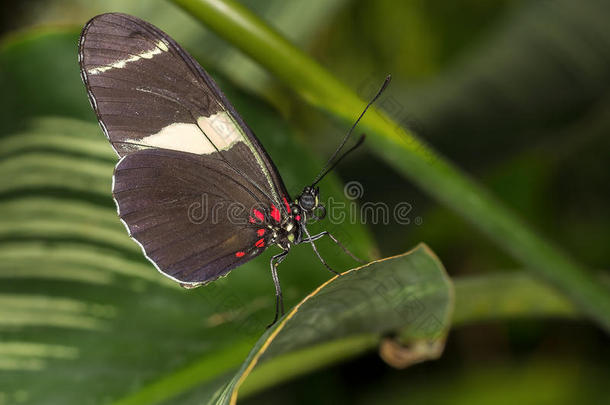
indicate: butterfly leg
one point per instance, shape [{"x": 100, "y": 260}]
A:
[
  {"x": 279, "y": 301},
  {"x": 309, "y": 239},
  {"x": 326, "y": 233}
]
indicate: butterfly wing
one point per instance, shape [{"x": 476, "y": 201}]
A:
[
  {"x": 161, "y": 110},
  {"x": 190, "y": 213}
]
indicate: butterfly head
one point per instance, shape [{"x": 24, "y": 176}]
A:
[{"x": 309, "y": 203}]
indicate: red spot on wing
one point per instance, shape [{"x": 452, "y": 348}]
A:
[
  {"x": 286, "y": 204},
  {"x": 252, "y": 220},
  {"x": 258, "y": 214},
  {"x": 275, "y": 213},
  {"x": 298, "y": 217},
  {"x": 260, "y": 232},
  {"x": 260, "y": 243},
  {"x": 240, "y": 254}
]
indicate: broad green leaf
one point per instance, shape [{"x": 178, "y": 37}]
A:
[{"x": 409, "y": 294}]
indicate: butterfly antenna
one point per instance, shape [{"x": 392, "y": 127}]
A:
[
  {"x": 347, "y": 152},
  {"x": 326, "y": 168}
]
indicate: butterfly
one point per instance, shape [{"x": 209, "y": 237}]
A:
[{"x": 194, "y": 187}]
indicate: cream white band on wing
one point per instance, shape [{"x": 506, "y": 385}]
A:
[
  {"x": 219, "y": 128},
  {"x": 160, "y": 47}
]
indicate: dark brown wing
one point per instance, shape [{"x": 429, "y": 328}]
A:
[{"x": 193, "y": 218}]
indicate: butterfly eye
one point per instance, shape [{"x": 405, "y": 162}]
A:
[{"x": 307, "y": 202}]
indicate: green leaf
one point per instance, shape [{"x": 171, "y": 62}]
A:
[{"x": 353, "y": 311}]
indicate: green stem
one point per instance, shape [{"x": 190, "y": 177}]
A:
[{"x": 401, "y": 148}]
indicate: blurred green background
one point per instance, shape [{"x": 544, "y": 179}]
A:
[{"x": 515, "y": 92}]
